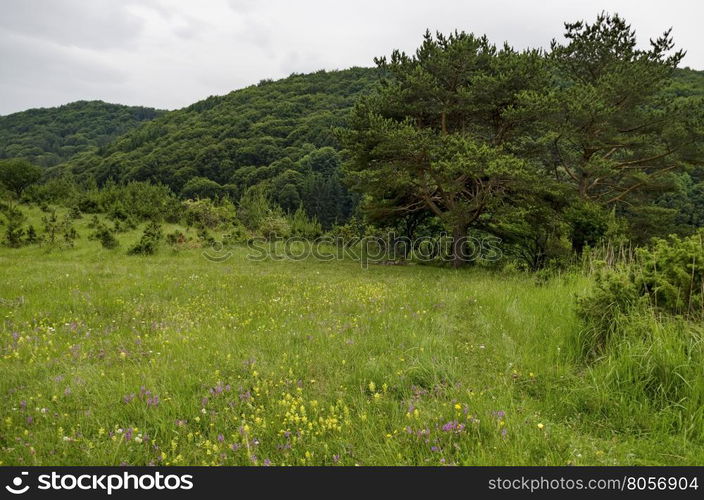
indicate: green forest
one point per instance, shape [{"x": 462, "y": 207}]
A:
[
  {"x": 49, "y": 136},
  {"x": 535, "y": 224}
]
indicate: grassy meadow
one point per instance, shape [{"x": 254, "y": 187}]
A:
[{"x": 172, "y": 359}]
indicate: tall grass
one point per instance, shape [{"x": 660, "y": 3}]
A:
[{"x": 174, "y": 359}]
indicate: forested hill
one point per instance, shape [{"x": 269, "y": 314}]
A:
[
  {"x": 688, "y": 82},
  {"x": 48, "y": 136},
  {"x": 275, "y": 134}
]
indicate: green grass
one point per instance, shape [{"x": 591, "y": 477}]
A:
[{"x": 299, "y": 363}]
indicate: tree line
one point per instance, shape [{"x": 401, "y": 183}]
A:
[
  {"x": 542, "y": 148},
  {"x": 550, "y": 150}
]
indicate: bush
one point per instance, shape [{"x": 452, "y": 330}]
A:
[
  {"x": 274, "y": 225},
  {"x": 205, "y": 237},
  {"x": 254, "y": 206},
  {"x": 136, "y": 200},
  {"x": 106, "y": 236},
  {"x": 59, "y": 232},
  {"x": 304, "y": 227},
  {"x": 149, "y": 242},
  {"x": 75, "y": 213},
  {"x": 642, "y": 335},
  {"x": 70, "y": 235},
  {"x": 14, "y": 233},
  {"x": 176, "y": 239},
  {"x": 57, "y": 190},
  {"x": 206, "y": 214},
  {"x": 672, "y": 274},
  {"x": 32, "y": 236}
]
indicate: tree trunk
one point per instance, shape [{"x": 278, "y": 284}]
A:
[{"x": 459, "y": 240}]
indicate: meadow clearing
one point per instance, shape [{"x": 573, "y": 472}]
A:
[{"x": 172, "y": 359}]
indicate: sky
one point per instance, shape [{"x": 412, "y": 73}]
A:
[{"x": 170, "y": 53}]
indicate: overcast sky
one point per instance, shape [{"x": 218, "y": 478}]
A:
[{"x": 171, "y": 53}]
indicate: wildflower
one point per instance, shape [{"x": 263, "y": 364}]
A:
[
  {"x": 450, "y": 426},
  {"x": 541, "y": 426}
]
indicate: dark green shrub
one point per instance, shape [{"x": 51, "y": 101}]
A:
[
  {"x": 59, "y": 232},
  {"x": 32, "y": 236},
  {"x": 106, "y": 236},
  {"x": 94, "y": 222},
  {"x": 118, "y": 212},
  {"x": 588, "y": 223},
  {"x": 122, "y": 226},
  {"x": 205, "y": 237},
  {"x": 205, "y": 213},
  {"x": 238, "y": 234},
  {"x": 176, "y": 239},
  {"x": 75, "y": 213},
  {"x": 304, "y": 227},
  {"x": 14, "y": 233},
  {"x": 274, "y": 225},
  {"x": 672, "y": 274},
  {"x": 667, "y": 278},
  {"x": 149, "y": 242},
  {"x": 70, "y": 235}
]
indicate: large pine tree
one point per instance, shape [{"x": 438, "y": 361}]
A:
[{"x": 446, "y": 132}]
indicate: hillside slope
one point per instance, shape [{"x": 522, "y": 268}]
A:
[
  {"x": 48, "y": 136},
  {"x": 275, "y": 134}
]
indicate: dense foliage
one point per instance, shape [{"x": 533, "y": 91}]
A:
[
  {"x": 529, "y": 160},
  {"x": 550, "y": 151},
  {"x": 275, "y": 134},
  {"x": 48, "y": 136},
  {"x": 539, "y": 149}
]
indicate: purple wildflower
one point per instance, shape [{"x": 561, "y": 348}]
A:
[{"x": 450, "y": 426}]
